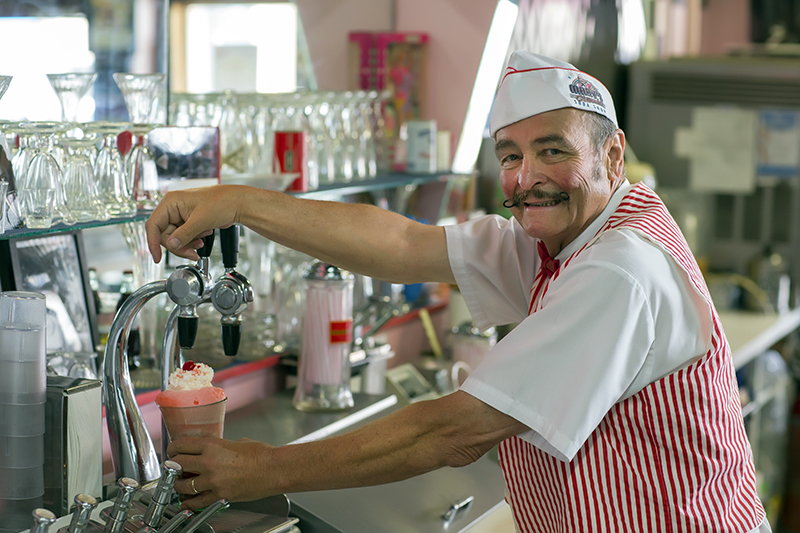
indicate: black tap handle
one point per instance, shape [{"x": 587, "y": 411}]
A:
[
  {"x": 229, "y": 240},
  {"x": 187, "y": 331},
  {"x": 231, "y": 336},
  {"x": 208, "y": 244}
]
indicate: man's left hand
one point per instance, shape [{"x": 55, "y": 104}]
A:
[{"x": 222, "y": 469}]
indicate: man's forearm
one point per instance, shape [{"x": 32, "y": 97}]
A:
[
  {"x": 358, "y": 237},
  {"x": 416, "y": 439}
]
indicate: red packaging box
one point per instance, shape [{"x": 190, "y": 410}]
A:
[
  {"x": 397, "y": 63},
  {"x": 290, "y": 153},
  {"x": 361, "y": 61}
]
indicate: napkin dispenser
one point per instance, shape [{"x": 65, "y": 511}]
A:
[{"x": 73, "y": 441}]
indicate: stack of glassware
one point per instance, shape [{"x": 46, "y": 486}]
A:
[
  {"x": 23, "y": 385},
  {"x": 345, "y": 131},
  {"x": 69, "y": 172}
]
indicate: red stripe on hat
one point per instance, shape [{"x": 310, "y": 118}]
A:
[{"x": 515, "y": 71}]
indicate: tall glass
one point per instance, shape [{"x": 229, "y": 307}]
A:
[
  {"x": 148, "y": 375},
  {"x": 80, "y": 188},
  {"x": 24, "y": 154},
  {"x": 316, "y": 112},
  {"x": 140, "y": 169},
  {"x": 42, "y": 195},
  {"x": 71, "y": 87},
  {"x": 366, "y": 128},
  {"x": 7, "y": 143},
  {"x": 109, "y": 170},
  {"x": 233, "y": 144},
  {"x": 289, "y": 297},
  {"x": 338, "y": 124},
  {"x": 383, "y": 151}
]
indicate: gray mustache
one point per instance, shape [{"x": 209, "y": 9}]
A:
[{"x": 519, "y": 198}]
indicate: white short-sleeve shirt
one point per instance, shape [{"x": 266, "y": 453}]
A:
[{"x": 620, "y": 316}]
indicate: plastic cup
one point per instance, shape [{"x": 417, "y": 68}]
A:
[
  {"x": 20, "y": 420},
  {"x": 195, "y": 421},
  {"x": 15, "y": 515},
  {"x": 21, "y": 483},
  {"x": 22, "y": 377},
  {"x": 22, "y": 452}
]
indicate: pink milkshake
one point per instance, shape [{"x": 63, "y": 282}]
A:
[{"x": 191, "y": 406}]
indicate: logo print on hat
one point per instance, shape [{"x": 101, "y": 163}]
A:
[{"x": 582, "y": 90}]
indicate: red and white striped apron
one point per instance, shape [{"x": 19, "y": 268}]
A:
[{"x": 672, "y": 458}]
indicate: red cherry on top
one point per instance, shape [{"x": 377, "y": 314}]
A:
[{"x": 188, "y": 365}]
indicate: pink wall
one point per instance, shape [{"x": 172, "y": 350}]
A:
[
  {"x": 457, "y": 30},
  {"x": 326, "y": 26},
  {"x": 726, "y": 24}
]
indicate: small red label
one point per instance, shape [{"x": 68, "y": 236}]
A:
[
  {"x": 341, "y": 331},
  {"x": 290, "y": 152}
]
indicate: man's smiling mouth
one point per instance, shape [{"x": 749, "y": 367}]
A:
[
  {"x": 542, "y": 204},
  {"x": 520, "y": 199}
]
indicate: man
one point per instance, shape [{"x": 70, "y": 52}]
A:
[{"x": 614, "y": 400}]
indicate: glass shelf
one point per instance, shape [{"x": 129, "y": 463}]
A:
[
  {"x": 386, "y": 181},
  {"x": 333, "y": 190},
  {"x": 61, "y": 227}
]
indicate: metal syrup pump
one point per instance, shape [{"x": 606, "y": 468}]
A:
[{"x": 232, "y": 291}]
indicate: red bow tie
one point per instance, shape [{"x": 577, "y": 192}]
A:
[{"x": 549, "y": 265}]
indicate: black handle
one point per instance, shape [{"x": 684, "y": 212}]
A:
[
  {"x": 231, "y": 336},
  {"x": 208, "y": 244},
  {"x": 229, "y": 240},
  {"x": 187, "y": 331}
]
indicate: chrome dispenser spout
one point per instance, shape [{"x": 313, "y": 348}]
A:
[
  {"x": 188, "y": 287},
  {"x": 232, "y": 292},
  {"x": 373, "y": 315}
]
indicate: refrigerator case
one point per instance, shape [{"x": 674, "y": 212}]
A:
[{"x": 725, "y": 225}]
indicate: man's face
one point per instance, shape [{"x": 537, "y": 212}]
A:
[{"x": 544, "y": 156}]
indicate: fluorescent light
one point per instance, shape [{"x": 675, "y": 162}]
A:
[{"x": 491, "y": 66}]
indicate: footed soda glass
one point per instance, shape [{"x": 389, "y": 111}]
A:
[
  {"x": 71, "y": 87},
  {"x": 140, "y": 92}
]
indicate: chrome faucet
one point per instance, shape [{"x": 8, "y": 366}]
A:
[
  {"x": 232, "y": 291},
  {"x": 375, "y": 311},
  {"x": 132, "y": 450}
]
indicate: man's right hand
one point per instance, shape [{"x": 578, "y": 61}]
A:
[{"x": 183, "y": 218}]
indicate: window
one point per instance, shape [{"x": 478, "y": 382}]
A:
[{"x": 242, "y": 47}]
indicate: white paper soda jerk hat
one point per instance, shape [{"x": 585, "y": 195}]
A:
[{"x": 533, "y": 84}]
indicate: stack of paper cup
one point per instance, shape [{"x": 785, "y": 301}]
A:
[{"x": 23, "y": 384}]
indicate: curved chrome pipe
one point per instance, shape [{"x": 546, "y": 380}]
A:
[
  {"x": 170, "y": 360},
  {"x": 132, "y": 449}
]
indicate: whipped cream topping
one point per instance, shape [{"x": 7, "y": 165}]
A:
[{"x": 192, "y": 376}]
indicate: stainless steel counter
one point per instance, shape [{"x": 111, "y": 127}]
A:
[
  {"x": 413, "y": 505},
  {"x": 751, "y": 334},
  {"x": 275, "y": 421}
]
